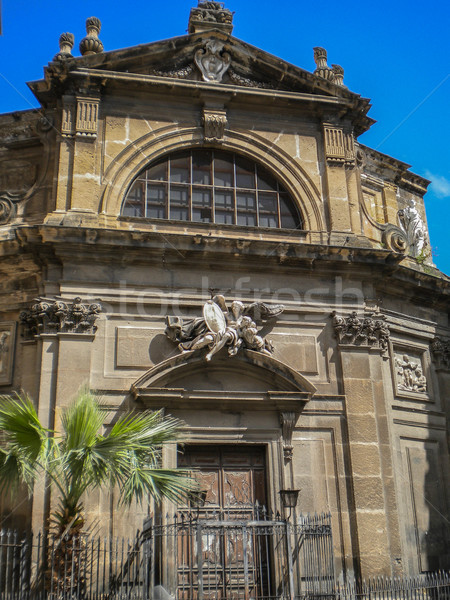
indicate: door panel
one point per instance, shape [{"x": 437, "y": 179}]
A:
[{"x": 232, "y": 562}]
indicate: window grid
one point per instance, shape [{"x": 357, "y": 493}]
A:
[{"x": 172, "y": 195}]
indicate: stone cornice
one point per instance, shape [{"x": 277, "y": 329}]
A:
[
  {"x": 60, "y": 243},
  {"x": 398, "y": 170},
  {"x": 187, "y": 88}
]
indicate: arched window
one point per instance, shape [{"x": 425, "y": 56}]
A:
[{"x": 211, "y": 186}]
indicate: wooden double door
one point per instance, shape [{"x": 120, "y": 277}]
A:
[
  {"x": 233, "y": 478},
  {"x": 225, "y": 556}
]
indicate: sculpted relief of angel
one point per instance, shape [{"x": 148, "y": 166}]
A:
[{"x": 220, "y": 327}]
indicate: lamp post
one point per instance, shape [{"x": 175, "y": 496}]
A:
[
  {"x": 197, "y": 500},
  {"x": 289, "y": 499}
]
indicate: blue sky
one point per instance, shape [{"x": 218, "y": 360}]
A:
[{"x": 397, "y": 53}]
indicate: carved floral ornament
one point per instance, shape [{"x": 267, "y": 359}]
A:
[
  {"x": 220, "y": 327},
  {"x": 54, "y": 316},
  {"x": 371, "y": 330}
]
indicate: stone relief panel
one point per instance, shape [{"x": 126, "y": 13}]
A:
[
  {"x": 411, "y": 371},
  {"x": 7, "y": 346},
  {"x": 409, "y": 374}
]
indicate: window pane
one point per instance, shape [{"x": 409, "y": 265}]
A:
[
  {"x": 179, "y": 169},
  {"x": 156, "y": 201},
  {"x": 179, "y": 202},
  {"x": 158, "y": 172},
  {"x": 134, "y": 204},
  {"x": 223, "y": 170},
  {"x": 288, "y": 212},
  {"x": 246, "y": 209},
  {"x": 201, "y": 168},
  {"x": 132, "y": 210},
  {"x": 224, "y": 207},
  {"x": 245, "y": 173},
  {"x": 266, "y": 181},
  {"x": 268, "y": 210},
  {"x": 201, "y": 205}
]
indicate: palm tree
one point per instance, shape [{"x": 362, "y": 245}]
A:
[{"x": 80, "y": 458}]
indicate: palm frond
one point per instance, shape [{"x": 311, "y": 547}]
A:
[
  {"x": 20, "y": 425},
  {"x": 25, "y": 440},
  {"x": 174, "y": 484}
]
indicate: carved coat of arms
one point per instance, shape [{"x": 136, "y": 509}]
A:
[
  {"x": 212, "y": 62},
  {"x": 219, "y": 327}
]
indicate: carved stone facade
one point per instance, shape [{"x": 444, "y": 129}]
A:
[{"x": 193, "y": 225}]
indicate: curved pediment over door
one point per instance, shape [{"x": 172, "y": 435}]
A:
[{"x": 249, "y": 381}]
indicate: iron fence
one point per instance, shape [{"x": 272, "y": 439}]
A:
[
  {"x": 197, "y": 557},
  {"x": 430, "y": 586},
  {"x": 239, "y": 556}
]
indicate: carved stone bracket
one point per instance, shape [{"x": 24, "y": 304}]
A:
[
  {"x": 440, "y": 352},
  {"x": 68, "y": 116},
  {"x": 52, "y": 316},
  {"x": 80, "y": 117},
  {"x": 87, "y": 117},
  {"x": 339, "y": 145},
  {"x": 214, "y": 122},
  {"x": 371, "y": 330},
  {"x": 287, "y": 422}
]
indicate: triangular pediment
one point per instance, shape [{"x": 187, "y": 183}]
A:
[
  {"x": 211, "y": 58},
  {"x": 176, "y": 58}
]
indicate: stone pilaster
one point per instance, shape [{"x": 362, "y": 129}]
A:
[{"x": 375, "y": 526}]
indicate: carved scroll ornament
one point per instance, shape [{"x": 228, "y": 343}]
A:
[
  {"x": 52, "y": 316},
  {"x": 369, "y": 330},
  {"x": 220, "y": 327}
]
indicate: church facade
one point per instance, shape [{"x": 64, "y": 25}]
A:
[{"x": 193, "y": 225}]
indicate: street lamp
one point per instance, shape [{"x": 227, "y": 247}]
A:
[{"x": 289, "y": 499}]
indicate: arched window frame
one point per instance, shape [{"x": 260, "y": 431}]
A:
[{"x": 211, "y": 186}]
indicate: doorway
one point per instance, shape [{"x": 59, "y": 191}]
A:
[{"x": 226, "y": 555}]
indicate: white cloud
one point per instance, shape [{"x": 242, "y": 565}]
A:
[{"x": 439, "y": 185}]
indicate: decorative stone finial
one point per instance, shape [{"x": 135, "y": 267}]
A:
[
  {"x": 338, "y": 75},
  {"x": 91, "y": 44},
  {"x": 66, "y": 41},
  {"x": 322, "y": 68},
  {"x": 210, "y": 15}
]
